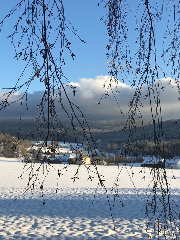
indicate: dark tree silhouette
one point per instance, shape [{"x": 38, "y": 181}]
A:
[{"x": 139, "y": 64}]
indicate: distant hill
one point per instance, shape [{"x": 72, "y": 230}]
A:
[{"x": 105, "y": 130}]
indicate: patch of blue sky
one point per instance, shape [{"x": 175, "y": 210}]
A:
[{"x": 90, "y": 60}]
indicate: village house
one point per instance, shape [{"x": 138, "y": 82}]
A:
[
  {"x": 172, "y": 163},
  {"x": 154, "y": 162}
]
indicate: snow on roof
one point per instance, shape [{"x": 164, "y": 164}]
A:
[
  {"x": 171, "y": 161},
  {"x": 64, "y": 150},
  {"x": 63, "y": 157},
  {"x": 72, "y": 155},
  {"x": 150, "y": 160}
]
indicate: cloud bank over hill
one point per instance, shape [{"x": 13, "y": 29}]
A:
[{"x": 101, "y": 98}]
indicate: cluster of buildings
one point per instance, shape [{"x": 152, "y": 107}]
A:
[
  {"x": 72, "y": 153},
  {"x": 63, "y": 153}
]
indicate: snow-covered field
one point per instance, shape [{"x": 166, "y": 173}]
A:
[{"x": 81, "y": 209}]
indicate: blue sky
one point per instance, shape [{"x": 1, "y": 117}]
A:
[{"x": 91, "y": 60}]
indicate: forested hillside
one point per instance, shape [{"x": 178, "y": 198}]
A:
[{"x": 111, "y": 135}]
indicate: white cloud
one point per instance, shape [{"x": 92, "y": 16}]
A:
[
  {"x": 73, "y": 84},
  {"x": 89, "y": 92}
]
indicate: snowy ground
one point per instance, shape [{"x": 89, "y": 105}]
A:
[{"x": 80, "y": 210}]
